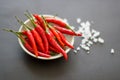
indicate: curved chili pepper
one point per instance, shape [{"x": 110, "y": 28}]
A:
[
  {"x": 54, "y": 31},
  {"x": 40, "y": 20},
  {"x": 64, "y": 40},
  {"x": 53, "y": 49},
  {"x": 56, "y": 45},
  {"x": 52, "y": 41},
  {"x": 38, "y": 39},
  {"x": 66, "y": 31},
  {"x": 30, "y": 37},
  {"x": 58, "y": 22},
  {"x": 29, "y": 48},
  {"x": 35, "y": 32}
]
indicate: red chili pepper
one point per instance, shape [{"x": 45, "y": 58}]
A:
[
  {"x": 43, "y": 36},
  {"x": 56, "y": 45},
  {"x": 38, "y": 39},
  {"x": 52, "y": 41},
  {"x": 32, "y": 41},
  {"x": 29, "y": 48},
  {"x": 53, "y": 49},
  {"x": 40, "y": 20},
  {"x": 54, "y": 31},
  {"x": 36, "y": 34},
  {"x": 66, "y": 31},
  {"x": 64, "y": 40},
  {"x": 57, "y": 21},
  {"x": 30, "y": 37}
]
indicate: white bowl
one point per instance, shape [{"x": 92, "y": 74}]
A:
[{"x": 68, "y": 37}]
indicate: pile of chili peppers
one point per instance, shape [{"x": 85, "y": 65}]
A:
[{"x": 46, "y": 36}]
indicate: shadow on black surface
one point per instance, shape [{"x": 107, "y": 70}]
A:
[{"x": 45, "y": 68}]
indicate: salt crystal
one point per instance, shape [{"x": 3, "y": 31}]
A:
[
  {"x": 75, "y": 51},
  {"x": 78, "y": 48},
  {"x": 90, "y": 42},
  {"x": 65, "y": 20},
  {"x": 95, "y": 40},
  {"x": 85, "y": 47},
  {"x": 88, "y": 23},
  {"x": 93, "y": 31},
  {"x": 78, "y": 20},
  {"x": 83, "y": 24},
  {"x": 100, "y": 40},
  {"x": 112, "y": 51},
  {"x": 84, "y": 41},
  {"x": 96, "y": 34}
]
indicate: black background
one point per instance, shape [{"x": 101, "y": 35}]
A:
[{"x": 100, "y": 64}]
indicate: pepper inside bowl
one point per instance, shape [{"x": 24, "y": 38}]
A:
[{"x": 53, "y": 54}]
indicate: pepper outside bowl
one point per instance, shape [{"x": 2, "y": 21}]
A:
[{"x": 68, "y": 37}]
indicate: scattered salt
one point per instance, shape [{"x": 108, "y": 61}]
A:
[
  {"x": 100, "y": 40},
  {"x": 65, "y": 20},
  {"x": 95, "y": 40},
  {"x": 96, "y": 34},
  {"x": 78, "y": 48},
  {"x": 112, "y": 51},
  {"x": 78, "y": 20},
  {"x": 75, "y": 51},
  {"x": 89, "y": 36}
]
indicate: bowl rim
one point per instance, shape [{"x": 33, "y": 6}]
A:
[{"x": 39, "y": 57}]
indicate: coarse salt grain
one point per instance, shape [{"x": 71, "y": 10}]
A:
[
  {"x": 75, "y": 51},
  {"x": 78, "y": 20},
  {"x": 112, "y": 51},
  {"x": 95, "y": 40},
  {"x": 78, "y": 48},
  {"x": 100, "y": 40},
  {"x": 89, "y": 36}
]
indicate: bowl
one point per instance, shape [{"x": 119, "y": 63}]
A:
[{"x": 68, "y": 37}]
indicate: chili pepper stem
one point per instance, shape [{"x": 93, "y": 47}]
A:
[{"x": 16, "y": 33}]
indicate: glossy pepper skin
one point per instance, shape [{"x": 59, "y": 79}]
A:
[
  {"x": 35, "y": 32},
  {"x": 57, "y": 21},
  {"x": 41, "y": 33},
  {"x": 29, "y": 48},
  {"x": 66, "y": 31},
  {"x": 54, "y": 31},
  {"x": 65, "y": 40},
  {"x": 53, "y": 43},
  {"x": 40, "y": 20},
  {"x": 29, "y": 35},
  {"x": 38, "y": 40}
]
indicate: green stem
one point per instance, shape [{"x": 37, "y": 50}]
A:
[
  {"x": 30, "y": 17},
  {"x": 18, "y": 34},
  {"x": 22, "y": 23}
]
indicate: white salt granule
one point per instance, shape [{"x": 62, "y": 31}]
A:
[
  {"x": 93, "y": 31},
  {"x": 88, "y": 23},
  {"x": 83, "y": 24},
  {"x": 78, "y": 20},
  {"x": 96, "y": 34},
  {"x": 84, "y": 41},
  {"x": 89, "y": 35},
  {"x": 100, "y": 40},
  {"x": 95, "y": 40},
  {"x": 112, "y": 51},
  {"x": 78, "y": 48},
  {"x": 85, "y": 47},
  {"x": 75, "y": 51},
  {"x": 65, "y": 20}
]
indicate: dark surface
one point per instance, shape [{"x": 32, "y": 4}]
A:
[{"x": 99, "y": 65}]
